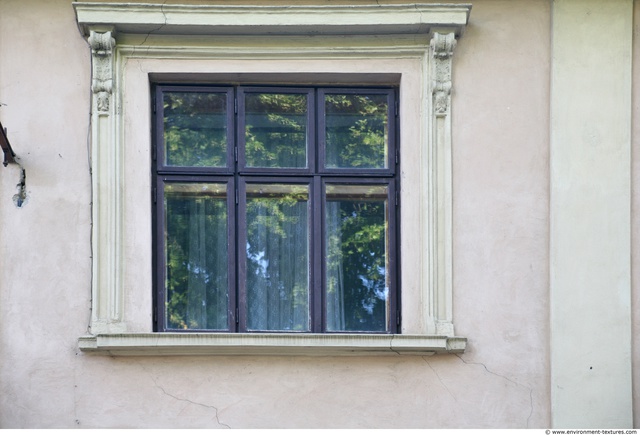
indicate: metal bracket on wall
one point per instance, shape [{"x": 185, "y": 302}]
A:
[{"x": 6, "y": 147}]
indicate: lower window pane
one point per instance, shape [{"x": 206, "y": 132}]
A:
[
  {"x": 356, "y": 240},
  {"x": 277, "y": 250},
  {"x": 196, "y": 258}
]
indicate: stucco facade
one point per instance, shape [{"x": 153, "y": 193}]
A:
[{"x": 543, "y": 231}]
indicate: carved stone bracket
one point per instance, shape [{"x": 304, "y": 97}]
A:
[
  {"x": 442, "y": 46},
  {"x": 102, "y": 45}
]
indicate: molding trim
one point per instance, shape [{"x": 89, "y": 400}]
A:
[
  {"x": 107, "y": 214},
  {"x": 269, "y": 344},
  {"x": 271, "y": 20},
  {"x": 441, "y": 181}
]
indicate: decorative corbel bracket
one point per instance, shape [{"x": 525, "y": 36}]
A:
[
  {"x": 442, "y": 46},
  {"x": 102, "y": 45}
]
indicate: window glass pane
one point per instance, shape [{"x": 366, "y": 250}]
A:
[
  {"x": 195, "y": 129},
  {"x": 356, "y": 131},
  {"x": 196, "y": 256},
  {"x": 357, "y": 239},
  {"x": 277, "y": 253},
  {"x": 276, "y": 130}
]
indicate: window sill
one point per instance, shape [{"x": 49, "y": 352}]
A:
[{"x": 138, "y": 344}]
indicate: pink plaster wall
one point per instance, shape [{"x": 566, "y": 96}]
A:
[
  {"x": 501, "y": 194},
  {"x": 44, "y": 245},
  {"x": 500, "y": 139}
]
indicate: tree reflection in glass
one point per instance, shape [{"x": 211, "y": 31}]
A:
[
  {"x": 196, "y": 256},
  {"x": 277, "y": 255},
  {"x": 356, "y": 131},
  {"x": 276, "y": 130},
  {"x": 195, "y": 129},
  {"x": 356, "y": 239}
]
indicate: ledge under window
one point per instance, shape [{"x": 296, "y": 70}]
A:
[{"x": 139, "y": 344}]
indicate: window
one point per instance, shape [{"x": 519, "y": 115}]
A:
[
  {"x": 407, "y": 47},
  {"x": 276, "y": 209}
]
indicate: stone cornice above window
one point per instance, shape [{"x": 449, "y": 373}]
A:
[
  {"x": 270, "y": 344},
  {"x": 139, "y": 18}
]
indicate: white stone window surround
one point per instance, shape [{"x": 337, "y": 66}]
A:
[{"x": 409, "y": 45}]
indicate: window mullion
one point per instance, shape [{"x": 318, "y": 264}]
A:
[
  {"x": 232, "y": 254},
  {"x": 241, "y": 267},
  {"x": 317, "y": 285},
  {"x": 317, "y": 243},
  {"x": 237, "y": 308}
]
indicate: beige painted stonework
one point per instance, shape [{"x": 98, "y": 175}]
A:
[{"x": 505, "y": 260}]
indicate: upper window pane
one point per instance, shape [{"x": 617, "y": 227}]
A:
[
  {"x": 356, "y": 130},
  {"x": 276, "y": 130},
  {"x": 195, "y": 129}
]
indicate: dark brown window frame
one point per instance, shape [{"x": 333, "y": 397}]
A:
[{"x": 236, "y": 175}]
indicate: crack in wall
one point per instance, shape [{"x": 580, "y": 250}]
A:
[
  {"x": 419, "y": 11},
  {"x": 391, "y": 346},
  {"x": 144, "y": 41},
  {"x": 439, "y": 378},
  {"x": 180, "y": 399},
  {"x": 156, "y": 29},
  {"x": 195, "y": 403},
  {"x": 508, "y": 380},
  {"x": 75, "y": 392}
]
